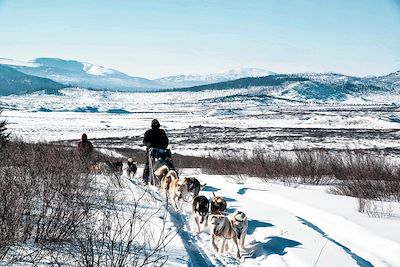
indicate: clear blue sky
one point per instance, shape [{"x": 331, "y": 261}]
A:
[{"x": 157, "y": 38}]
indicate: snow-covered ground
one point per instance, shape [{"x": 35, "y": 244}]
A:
[
  {"x": 205, "y": 121},
  {"x": 301, "y": 226}
]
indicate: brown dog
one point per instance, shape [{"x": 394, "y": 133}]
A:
[
  {"x": 177, "y": 189},
  {"x": 166, "y": 181},
  {"x": 218, "y": 205},
  {"x": 162, "y": 171},
  {"x": 221, "y": 227}
]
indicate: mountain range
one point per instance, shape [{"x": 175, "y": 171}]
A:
[
  {"x": 51, "y": 74},
  {"x": 73, "y": 73},
  {"x": 320, "y": 87}
]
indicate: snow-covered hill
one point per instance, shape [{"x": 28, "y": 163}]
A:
[
  {"x": 80, "y": 74},
  {"x": 391, "y": 80},
  {"x": 200, "y": 79},
  {"x": 87, "y": 75},
  {"x": 311, "y": 87},
  {"x": 319, "y": 87},
  {"x": 15, "y": 82}
]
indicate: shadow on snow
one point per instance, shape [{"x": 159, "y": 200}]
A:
[
  {"x": 274, "y": 245},
  {"x": 209, "y": 188},
  {"x": 254, "y": 224},
  {"x": 360, "y": 261}
]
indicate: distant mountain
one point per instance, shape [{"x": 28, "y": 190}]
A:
[
  {"x": 296, "y": 87},
  {"x": 201, "y": 79},
  {"x": 80, "y": 74},
  {"x": 16, "y": 82},
  {"x": 87, "y": 75},
  {"x": 310, "y": 86}
]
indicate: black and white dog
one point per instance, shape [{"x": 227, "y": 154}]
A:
[
  {"x": 131, "y": 169},
  {"x": 201, "y": 207}
]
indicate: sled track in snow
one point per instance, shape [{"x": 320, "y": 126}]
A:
[
  {"x": 327, "y": 234},
  {"x": 197, "y": 256}
]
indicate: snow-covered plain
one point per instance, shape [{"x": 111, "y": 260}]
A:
[
  {"x": 208, "y": 121},
  {"x": 302, "y": 226}
]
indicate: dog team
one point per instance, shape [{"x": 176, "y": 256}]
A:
[{"x": 212, "y": 213}]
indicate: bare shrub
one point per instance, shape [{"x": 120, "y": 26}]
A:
[
  {"x": 366, "y": 177},
  {"x": 44, "y": 192},
  {"x": 350, "y": 172},
  {"x": 305, "y": 167},
  {"x": 375, "y": 209},
  {"x": 50, "y": 204}
]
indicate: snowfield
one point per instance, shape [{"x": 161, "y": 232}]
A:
[
  {"x": 207, "y": 122},
  {"x": 288, "y": 226}
]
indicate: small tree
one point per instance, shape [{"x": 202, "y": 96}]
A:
[{"x": 4, "y": 135}]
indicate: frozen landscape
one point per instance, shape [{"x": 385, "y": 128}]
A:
[
  {"x": 288, "y": 226},
  {"x": 283, "y": 117},
  {"x": 211, "y": 120}
]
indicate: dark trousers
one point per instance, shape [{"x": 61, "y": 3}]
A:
[{"x": 146, "y": 169}]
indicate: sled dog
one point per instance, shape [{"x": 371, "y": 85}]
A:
[
  {"x": 240, "y": 225},
  {"x": 162, "y": 171},
  {"x": 177, "y": 189},
  {"x": 221, "y": 227},
  {"x": 201, "y": 207},
  {"x": 131, "y": 168},
  {"x": 166, "y": 181},
  {"x": 218, "y": 205},
  {"x": 193, "y": 186}
]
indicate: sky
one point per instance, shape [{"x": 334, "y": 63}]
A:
[{"x": 156, "y": 38}]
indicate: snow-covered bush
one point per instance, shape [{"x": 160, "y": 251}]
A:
[{"x": 52, "y": 209}]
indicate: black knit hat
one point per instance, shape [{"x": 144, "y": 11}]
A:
[{"x": 155, "y": 123}]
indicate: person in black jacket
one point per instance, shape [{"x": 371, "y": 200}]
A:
[{"x": 153, "y": 138}]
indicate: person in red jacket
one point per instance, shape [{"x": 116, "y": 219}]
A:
[
  {"x": 153, "y": 138},
  {"x": 85, "y": 147}
]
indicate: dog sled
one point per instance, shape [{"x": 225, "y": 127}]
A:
[{"x": 158, "y": 157}]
